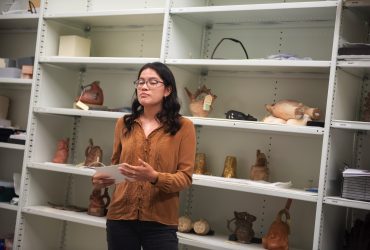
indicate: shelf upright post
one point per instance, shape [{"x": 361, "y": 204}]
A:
[{"x": 325, "y": 144}]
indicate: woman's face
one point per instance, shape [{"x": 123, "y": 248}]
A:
[{"x": 151, "y": 93}]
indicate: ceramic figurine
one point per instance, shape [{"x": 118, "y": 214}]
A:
[
  {"x": 200, "y": 164},
  {"x": 229, "y": 167},
  {"x": 291, "y": 109},
  {"x": 98, "y": 203},
  {"x": 201, "y": 101},
  {"x": 61, "y": 154},
  {"x": 91, "y": 94},
  {"x": 243, "y": 226},
  {"x": 93, "y": 155},
  {"x": 201, "y": 227},
  {"x": 313, "y": 113},
  {"x": 277, "y": 235},
  {"x": 259, "y": 171},
  {"x": 286, "y": 109},
  {"x": 185, "y": 224}
]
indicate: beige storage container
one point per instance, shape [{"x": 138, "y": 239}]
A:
[{"x": 74, "y": 46}]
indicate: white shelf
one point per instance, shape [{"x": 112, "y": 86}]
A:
[
  {"x": 354, "y": 64},
  {"x": 356, "y": 3},
  {"x": 16, "y": 81},
  {"x": 353, "y": 125},
  {"x": 210, "y": 242},
  {"x": 260, "y": 13},
  {"x": 215, "y": 242},
  {"x": 19, "y": 21},
  {"x": 78, "y": 112},
  {"x": 253, "y": 187},
  {"x": 78, "y": 217},
  {"x": 201, "y": 180},
  {"x": 258, "y": 126},
  {"x": 128, "y": 17},
  {"x": 356, "y": 67},
  {"x": 339, "y": 201},
  {"x": 175, "y": 32},
  {"x": 363, "y": 6},
  {"x": 7, "y": 206},
  {"x": 254, "y": 65},
  {"x": 126, "y": 63},
  {"x": 12, "y": 146},
  {"x": 215, "y": 122},
  {"x": 63, "y": 168}
]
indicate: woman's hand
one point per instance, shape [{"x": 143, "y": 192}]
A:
[
  {"x": 101, "y": 180},
  {"x": 142, "y": 172}
]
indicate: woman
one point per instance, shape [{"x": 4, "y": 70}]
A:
[{"x": 155, "y": 147}]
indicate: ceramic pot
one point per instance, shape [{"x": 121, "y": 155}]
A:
[{"x": 229, "y": 167}]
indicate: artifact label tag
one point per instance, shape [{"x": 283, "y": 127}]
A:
[
  {"x": 82, "y": 105},
  {"x": 207, "y": 102}
]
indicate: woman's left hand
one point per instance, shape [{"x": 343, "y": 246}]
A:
[{"x": 142, "y": 172}]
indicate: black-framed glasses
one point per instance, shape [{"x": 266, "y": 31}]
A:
[{"x": 151, "y": 83}]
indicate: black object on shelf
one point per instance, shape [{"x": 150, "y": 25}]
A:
[
  {"x": 5, "y": 133},
  {"x": 316, "y": 123},
  {"x": 6, "y": 192},
  {"x": 354, "y": 49},
  {"x": 231, "y": 39},
  {"x": 237, "y": 115},
  {"x": 17, "y": 139}
]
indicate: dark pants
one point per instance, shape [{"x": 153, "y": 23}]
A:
[{"x": 134, "y": 234}]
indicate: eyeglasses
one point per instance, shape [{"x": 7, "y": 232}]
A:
[{"x": 151, "y": 83}]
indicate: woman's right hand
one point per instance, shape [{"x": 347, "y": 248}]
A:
[{"x": 101, "y": 180}]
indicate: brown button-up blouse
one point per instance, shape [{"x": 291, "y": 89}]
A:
[{"x": 172, "y": 156}]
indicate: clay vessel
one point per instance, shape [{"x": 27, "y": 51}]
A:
[
  {"x": 286, "y": 109},
  {"x": 200, "y": 163},
  {"x": 201, "y": 227},
  {"x": 243, "y": 226},
  {"x": 199, "y": 101},
  {"x": 229, "y": 167},
  {"x": 259, "y": 171},
  {"x": 61, "y": 154},
  {"x": 93, "y": 155},
  {"x": 92, "y": 94},
  {"x": 98, "y": 203},
  {"x": 277, "y": 236},
  {"x": 185, "y": 224}
]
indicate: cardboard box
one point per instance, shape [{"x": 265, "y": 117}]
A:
[
  {"x": 74, "y": 46},
  {"x": 27, "y": 72}
]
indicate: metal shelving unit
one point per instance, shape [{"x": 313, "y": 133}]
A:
[
  {"x": 183, "y": 34},
  {"x": 18, "y": 34}
]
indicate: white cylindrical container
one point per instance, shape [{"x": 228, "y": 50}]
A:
[{"x": 4, "y": 107}]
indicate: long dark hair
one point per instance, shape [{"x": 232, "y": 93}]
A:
[{"x": 169, "y": 115}]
